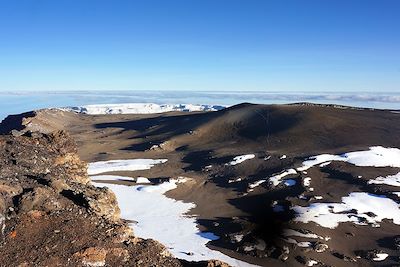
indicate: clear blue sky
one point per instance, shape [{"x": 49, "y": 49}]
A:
[{"x": 299, "y": 45}]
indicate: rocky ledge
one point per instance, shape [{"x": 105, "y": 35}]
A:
[{"x": 51, "y": 214}]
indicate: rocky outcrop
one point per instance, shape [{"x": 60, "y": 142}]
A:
[{"x": 43, "y": 171}]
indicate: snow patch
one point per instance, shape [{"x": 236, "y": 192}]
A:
[
  {"x": 307, "y": 181},
  {"x": 122, "y": 165},
  {"x": 376, "y": 156},
  {"x": 291, "y": 232},
  {"x": 325, "y": 164},
  {"x": 356, "y": 208},
  {"x": 111, "y": 178},
  {"x": 235, "y": 180},
  {"x": 161, "y": 188},
  {"x": 304, "y": 244},
  {"x": 240, "y": 159},
  {"x": 255, "y": 184},
  {"x": 277, "y": 179},
  {"x": 380, "y": 257},
  {"x": 142, "y": 180},
  {"x": 238, "y": 238},
  {"x": 311, "y": 262},
  {"x": 393, "y": 180}
]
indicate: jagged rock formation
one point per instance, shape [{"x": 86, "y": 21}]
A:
[{"x": 51, "y": 215}]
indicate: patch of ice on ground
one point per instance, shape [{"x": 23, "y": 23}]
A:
[
  {"x": 138, "y": 180},
  {"x": 111, "y": 178},
  {"x": 325, "y": 164},
  {"x": 393, "y": 180},
  {"x": 380, "y": 257},
  {"x": 354, "y": 208},
  {"x": 142, "y": 180},
  {"x": 376, "y": 156},
  {"x": 307, "y": 181},
  {"x": 277, "y": 179},
  {"x": 291, "y": 232},
  {"x": 260, "y": 245},
  {"x": 140, "y": 108},
  {"x": 122, "y": 165},
  {"x": 240, "y": 159},
  {"x": 238, "y": 238},
  {"x": 161, "y": 188},
  {"x": 289, "y": 182},
  {"x": 304, "y": 244},
  {"x": 235, "y": 180},
  {"x": 311, "y": 262},
  {"x": 255, "y": 184}
]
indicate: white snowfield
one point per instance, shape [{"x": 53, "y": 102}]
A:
[
  {"x": 358, "y": 207},
  {"x": 255, "y": 184},
  {"x": 291, "y": 232},
  {"x": 111, "y": 178},
  {"x": 242, "y": 158},
  {"x": 140, "y": 108},
  {"x": 393, "y": 180},
  {"x": 277, "y": 179},
  {"x": 303, "y": 244},
  {"x": 138, "y": 180},
  {"x": 122, "y": 165},
  {"x": 162, "y": 218},
  {"x": 376, "y": 156},
  {"x": 142, "y": 180},
  {"x": 380, "y": 257},
  {"x": 355, "y": 208},
  {"x": 307, "y": 181}
]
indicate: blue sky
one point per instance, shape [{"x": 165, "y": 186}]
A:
[{"x": 299, "y": 45}]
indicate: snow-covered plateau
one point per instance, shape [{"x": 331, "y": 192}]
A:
[{"x": 140, "y": 108}]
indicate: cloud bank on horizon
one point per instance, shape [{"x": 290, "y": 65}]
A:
[{"x": 204, "y": 97}]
